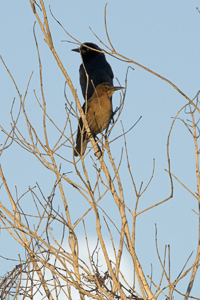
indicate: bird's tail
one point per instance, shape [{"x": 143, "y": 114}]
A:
[{"x": 81, "y": 144}]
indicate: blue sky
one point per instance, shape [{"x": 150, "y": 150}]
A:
[{"x": 162, "y": 36}]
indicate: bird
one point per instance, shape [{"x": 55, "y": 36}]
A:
[
  {"x": 98, "y": 111},
  {"x": 95, "y": 66}
]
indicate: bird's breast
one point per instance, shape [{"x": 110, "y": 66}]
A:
[{"x": 99, "y": 114}]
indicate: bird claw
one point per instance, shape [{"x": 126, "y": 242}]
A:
[{"x": 96, "y": 153}]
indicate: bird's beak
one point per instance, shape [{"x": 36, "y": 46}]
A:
[
  {"x": 76, "y": 50},
  {"x": 116, "y": 88}
]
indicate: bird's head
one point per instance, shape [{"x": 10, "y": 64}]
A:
[
  {"x": 88, "y": 52},
  {"x": 107, "y": 88}
]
